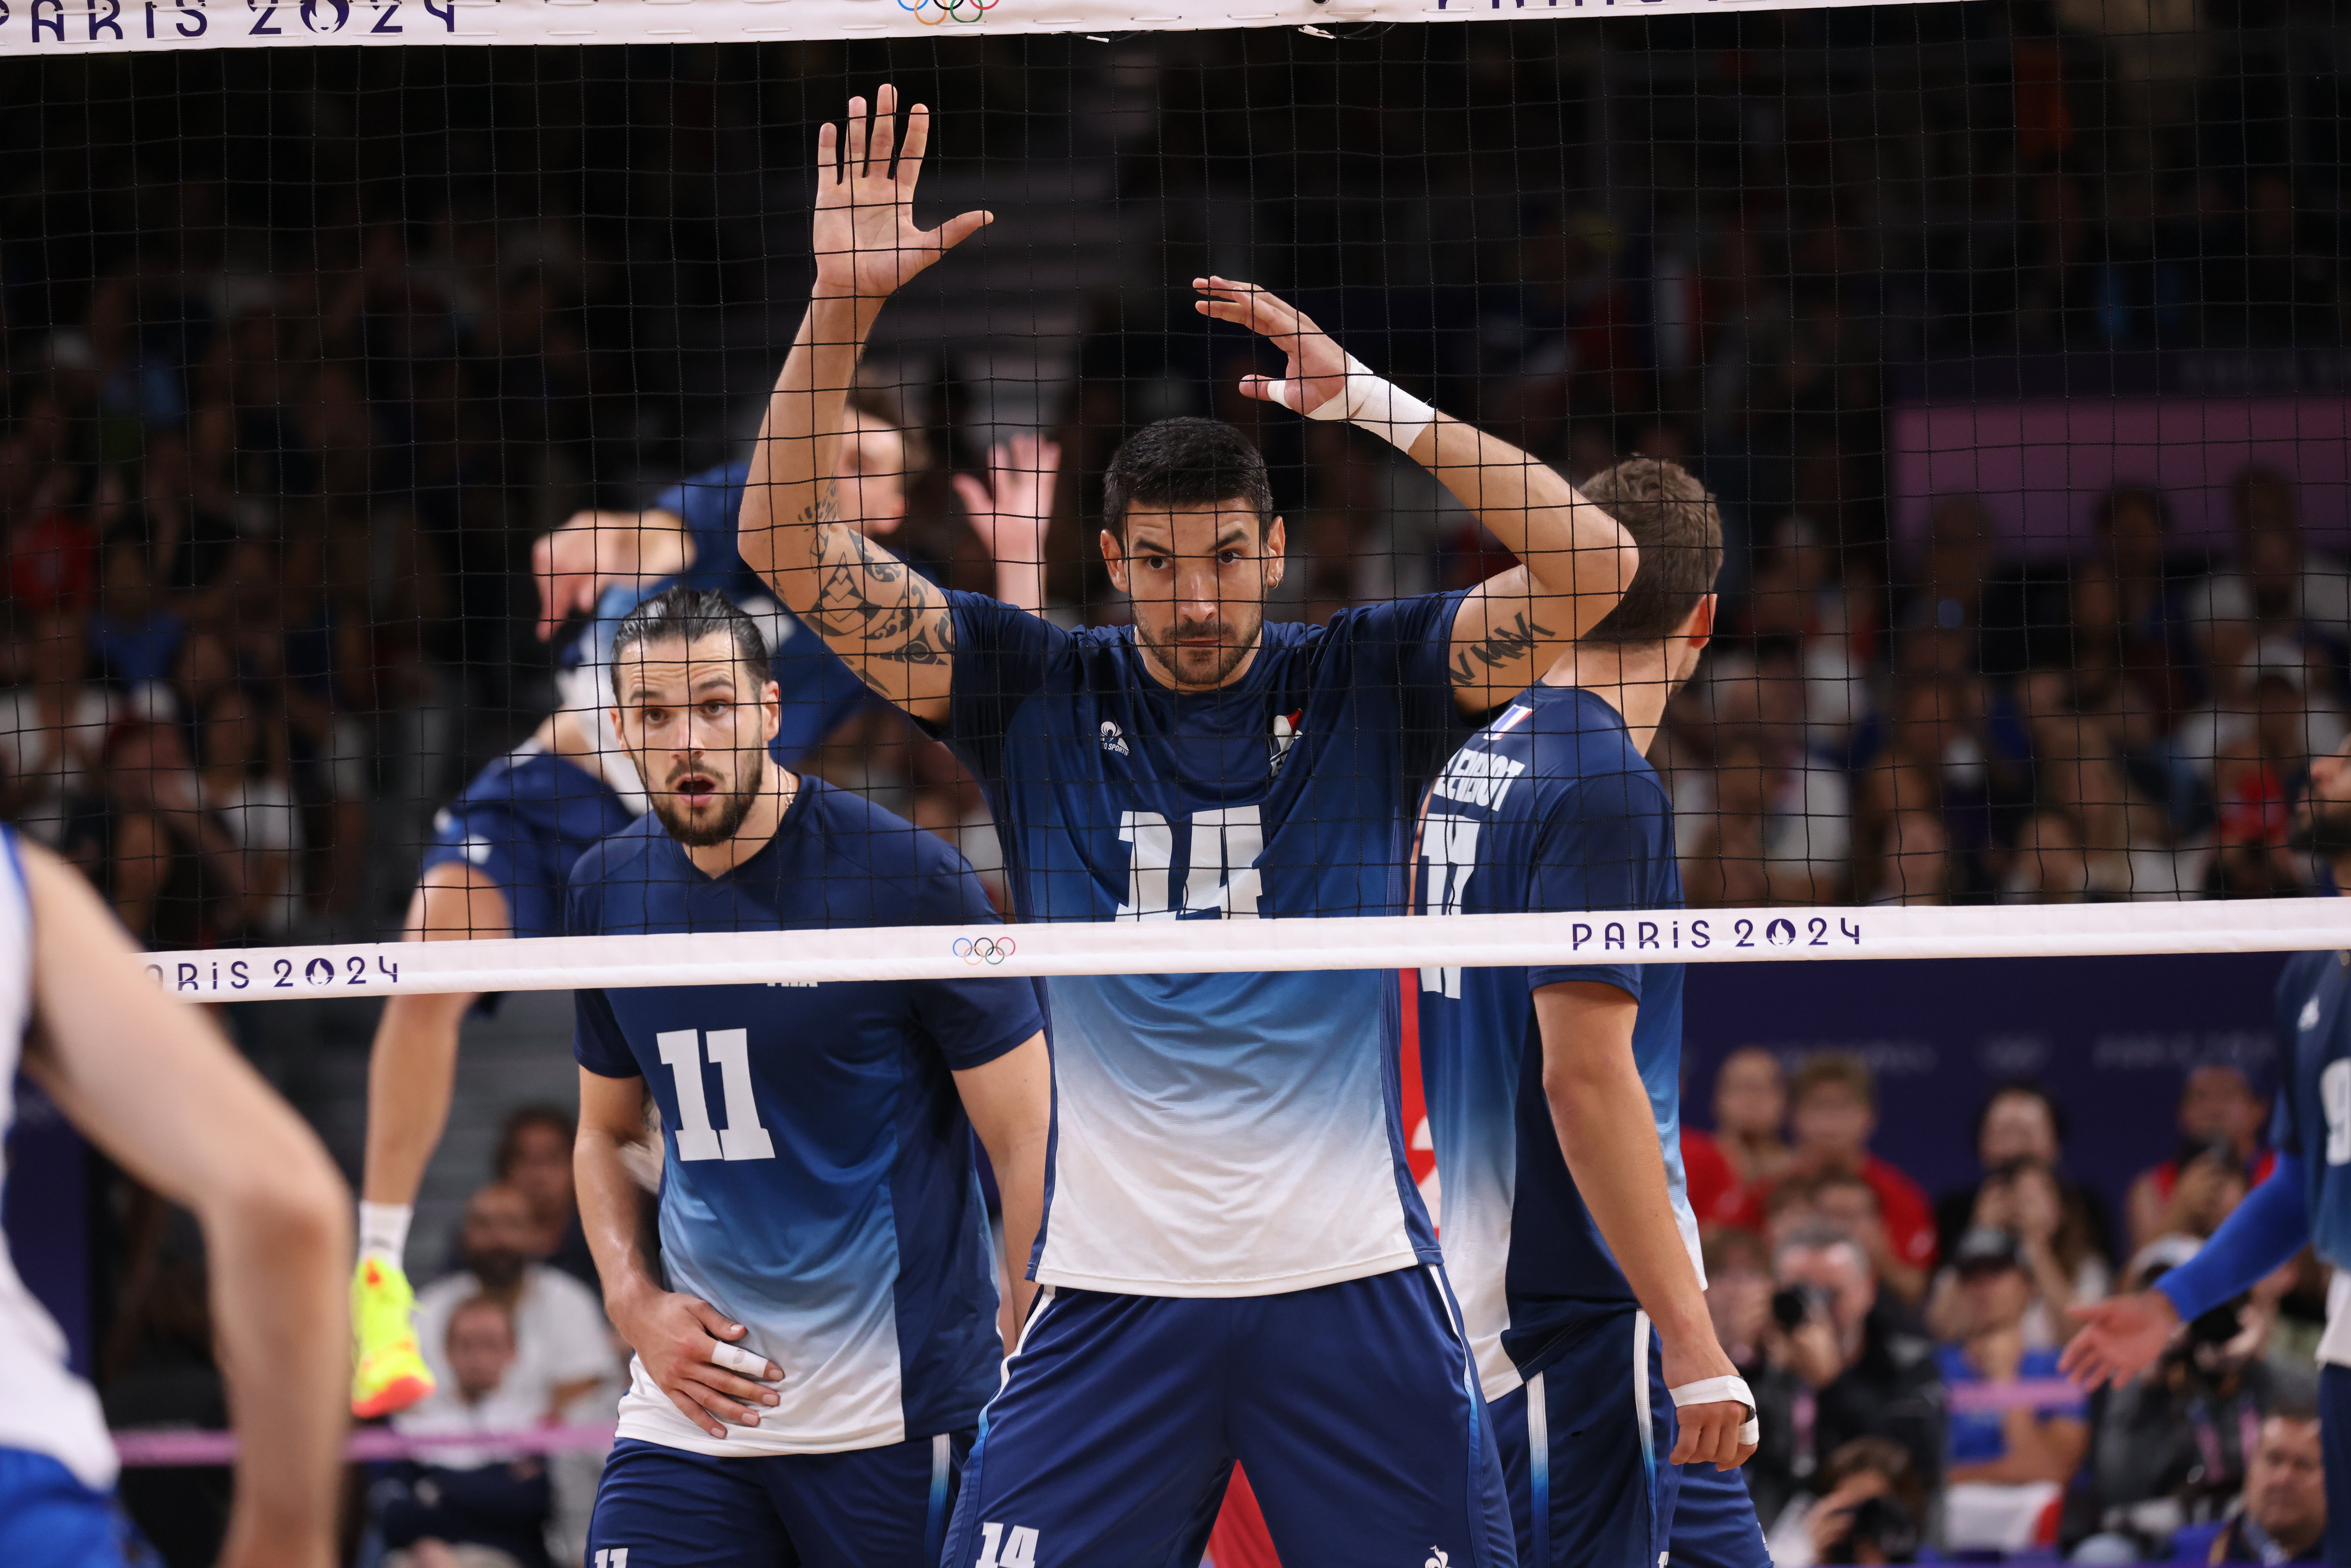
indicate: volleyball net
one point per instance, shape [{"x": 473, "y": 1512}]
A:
[{"x": 2009, "y": 342}]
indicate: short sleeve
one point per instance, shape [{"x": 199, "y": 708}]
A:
[
  {"x": 1408, "y": 643},
  {"x": 707, "y": 503},
  {"x": 1001, "y": 655},
  {"x": 975, "y": 1020},
  {"x": 597, "y": 1042},
  {"x": 1606, "y": 844}
]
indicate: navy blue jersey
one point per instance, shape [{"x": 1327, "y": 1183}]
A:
[
  {"x": 1548, "y": 808},
  {"x": 817, "y": 1183},
  {"x": 2313, "y": 1118},
  {"x": 522, "y": 822},
  {"x": 1215, "y": 1134}
]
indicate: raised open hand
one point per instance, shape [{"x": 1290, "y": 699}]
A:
[
  {"x": 1013, "y": 507},
  {"x": 1318, "y": 366},
  {"x": 867, "y": 244}
]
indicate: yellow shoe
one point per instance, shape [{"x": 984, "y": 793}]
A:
[{"x": 388, "y": 1374}]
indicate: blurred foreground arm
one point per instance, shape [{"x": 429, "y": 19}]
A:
[{"x": 153, "y": 1085}]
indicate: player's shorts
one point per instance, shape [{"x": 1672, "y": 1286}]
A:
[
  {"x": 48, "y": 1516},
  {"x": 1584, "y": 1445},
  {"x": 2334, "y": 1439},
  {"x": 869, "y": 1508},
  {"x": 1354, "y": 1406},
  {"x": 1714, "y": 1522}
]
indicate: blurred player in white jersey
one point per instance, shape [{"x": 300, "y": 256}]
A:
[
  {"x": 502, "y": 850},
  {"x": 151, "y": 1081},
  {"x": 1554, "y": 1092},
  {"x": 1234, "y": 1261}
]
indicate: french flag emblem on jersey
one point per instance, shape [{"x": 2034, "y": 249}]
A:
[{"x": 1285, "y": 732}]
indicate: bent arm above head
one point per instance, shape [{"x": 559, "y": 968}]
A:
[
  {"x": 1607, "y": 1130},
  {"x": 573, "y": 563},
  {"x": 1011, "y": 1104},
  {"x": 1576, "y": 561},
  {"x": 884, "y": 621},
  {"x": 151, "y": 1082}
]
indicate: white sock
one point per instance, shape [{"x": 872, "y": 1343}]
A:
[{"x": 384, "y": 1231}]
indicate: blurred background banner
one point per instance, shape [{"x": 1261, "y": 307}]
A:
[{"x": 81, "y": 27}]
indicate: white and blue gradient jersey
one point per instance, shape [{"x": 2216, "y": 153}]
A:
[
  {"x": 817, "y": 1180},
  {"x": 1214, "y": 1134},
  {"x": 1547, "y": 809},
  {"x": 44, "y": 1408},
  {"x": 2313, "y": 1117}
]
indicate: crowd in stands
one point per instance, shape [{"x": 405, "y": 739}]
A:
[{"x": 1903, "y": 1350}]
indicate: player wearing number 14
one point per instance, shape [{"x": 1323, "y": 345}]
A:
[{"x": 819, "y": 1331}]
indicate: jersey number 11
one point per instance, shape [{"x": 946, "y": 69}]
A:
[{"x": 743, "y": 1137}]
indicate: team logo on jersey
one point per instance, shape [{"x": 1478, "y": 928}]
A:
[
  {"x": 1113, "y": 739},
  {"x": 1285, "y": 736},
  {"x": 2309, "y": 1014},
  {"x": 1436, "y": 1557}
]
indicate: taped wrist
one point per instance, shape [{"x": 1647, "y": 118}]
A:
[
  {"x": 1380, "y": 406},
  {"x": 1718, "y": 1391}
]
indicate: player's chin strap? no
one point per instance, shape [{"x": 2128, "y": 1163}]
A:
[
  {"x": 1382, "y": 407},
  {"x": 1716, "y": 1391}
]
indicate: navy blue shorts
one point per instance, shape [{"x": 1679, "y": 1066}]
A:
[
  {"x": 1714, "y": 1522},
  {"x": 47, "y": 1516},
  {"x": 1583, "y": 1445},
  {"x": 870, "y": 1508},
  {"x": 2334, "y": 1439},
  {"x": 1354, "y": 1406}
]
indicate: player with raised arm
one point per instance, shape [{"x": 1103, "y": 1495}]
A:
[
  {"x": 151, "y": 1082},
  {"x": 821, "y": 1329},
  {"x": 501, "y": 851},
  {"x": 2306, "y": 1201},
  {"x": 1234, "y": 1263},
  {"x": 1554, "y": 1093}
]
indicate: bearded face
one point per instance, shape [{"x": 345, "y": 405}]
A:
[
  {"x": 696, "y": 725},
  {"x": 1198, "y": 577}
]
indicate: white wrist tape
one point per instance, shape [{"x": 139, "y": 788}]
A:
[
  {"x": 1382, "y": 407},
  {"x": 1720, "y": 1390}
]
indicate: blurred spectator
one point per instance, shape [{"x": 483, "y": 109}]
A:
[
  {"x": 171, "y": 864},
  {"x": 2274, "y": 585},
  {"x": 2061, "y": 1226},
  {"x": 1842, "y": 1360},
  {"x": 2219, "y": 1115},
  {"x": 2009, "y": 1464},
  {"x": 53, "y": 725},
  {"x": 534, "y": 1158},
  {"x": 245, "y": 784},
  {"x": 564, "y": 1354},
  {"x": 1847, "y": 1204},
  {"x": 1771, "y": 818},
  {"x": 1717, "y": 1196},
  {"x": 1868, "y": 1504},
  {"x": 1739, "y": 1295},
  {"x": 470, "y": 1508},
  {"x": 1751, "y": 1107},
  {"x": 2281, "y": 1517},
  {"x": 1834, "y": 1114}
]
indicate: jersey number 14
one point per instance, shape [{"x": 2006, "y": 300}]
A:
[{"x": 730, "y": 1050}]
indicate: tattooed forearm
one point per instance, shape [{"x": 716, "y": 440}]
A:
[
  {"x": 1475, "y": 663},
  {"x": 824, "y": 509}
]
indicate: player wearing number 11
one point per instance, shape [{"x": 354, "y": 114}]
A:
[{"x": 821, "y": 1327}]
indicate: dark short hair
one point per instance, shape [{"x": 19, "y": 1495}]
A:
[
  {"x": 687, "y": 615},
  {"x": 1185, "y": 462},
  {"x": 1674, "y": 521},
  {"x": 520, "y": 1120}
]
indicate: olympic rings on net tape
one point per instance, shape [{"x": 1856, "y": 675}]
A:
[
  {"x": 964, "y": 11},
  {"x": 984, "y": 949}
]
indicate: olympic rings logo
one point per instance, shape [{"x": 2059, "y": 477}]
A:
[
  {"x": 964, "y": 11},
  {"x": 983, "y": 950}
]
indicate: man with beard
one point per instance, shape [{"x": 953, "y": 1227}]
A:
[
  {"x": 1237, "y": 1266},
  {"x": 1554, "y": 1092},
  {"x": 2307, "y": 1201},
  {"x": 818, "y": 1332},
  {"x": 563, "y": 1350}
]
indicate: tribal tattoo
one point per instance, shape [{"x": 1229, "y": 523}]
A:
[{"x": 905, "y": 622}]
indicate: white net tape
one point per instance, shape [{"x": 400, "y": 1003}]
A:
[{"x": 1205, "y": 946}]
